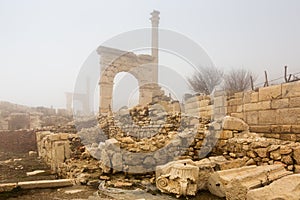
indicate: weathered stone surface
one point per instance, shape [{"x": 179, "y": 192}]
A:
[
  {"x": 286, "y": 188},
  {"x": 181, "y": 180},
  {"x": 105, "y": 163},
  {"x": 6, "y": 187},
  {"x": 206, "y": 168},
  {"x": 45, "y": 184},
  {"x": 232, "y": 123},
  {"x": 261, "y": 152},
  {"x": 149, "y": 161},
  {"x": 117, "y": 162},
  {"x": 35, "y": 172},
  {"x": 234, "y": 183},
  {"x": 296, "y": 155},
  {"x": 268, "y": 93},
  {"x": 275, "y": 155}
]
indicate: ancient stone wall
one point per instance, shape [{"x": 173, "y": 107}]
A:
[
  {"x": 20, "y": 141},
  {"x": 54, "y": 148},
  {"x": 199, "y": 106},
  {"x": 273, "y": 110}
]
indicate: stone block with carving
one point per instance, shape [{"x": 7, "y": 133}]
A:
[
  {"x": 235, "y": 183},
  {"x": 179, "y": 177}
]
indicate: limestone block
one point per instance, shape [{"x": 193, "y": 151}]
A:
[
  {"x": 235, "y": 183},
  {"x": 181, "y": 180},
  {"x": 294, "y": 102},
  {"x": 206, "y": 168},
  {"x": 291, "y": 137},
  {"x": 254, "y": 97},
  {"x": 149, "y": 161},
  {"x": 295, "y": 129},
  {"x": 45, "y": 184},
  {"x": 288, "y": 116},
  {"x": 105, "y": 163},
  {"x": 238, "y": 115},
  {"x": 117, "y": 162},
  {"x": 286, "y": 188},
  {"x": 58, "y": 154},
  {"x": 136, "y": 169},
  {"x": 280, "y": 103},
  {"x": 54, "y": 137},
  {"x": 134, "y": 158},
  {"x": 267, "y": 117},
  {"x": 232, "y": 123},
  {"x": 268, "y": 93},
  {"x": 291, "y": 89},
  {"x": 230, "y": 164},
  {"x": 204, "y": 103},
  {"x": 112, "y": 145},
  {"x": 247, "y": 97},
  {"x": 219, "y": 101},
  {"x": 252, "y": 117},
  {"x": 225, "y": 134},
  {"x": 260, "y": 129}
]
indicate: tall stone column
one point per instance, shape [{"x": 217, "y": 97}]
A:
[{"x": 155, "y": 20}]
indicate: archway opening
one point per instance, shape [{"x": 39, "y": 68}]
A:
[{"x": 125, "y": 91}]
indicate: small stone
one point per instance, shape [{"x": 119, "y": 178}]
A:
[
  {"x": 250, "y": 162},
  {"x": 32, "y": 154},
  {"x": 261, "y": 152},
  {"x": 297, "y": 168},
  {"x": 285, "y": 150},
  {"x": 275, "y": 155},
  {"x": 287, "y": 160},
  {"x": 104, "y": 178},
  {"x": 233, "y": 155},
  {"x": 290, "y": 167},
  {"x": 127, "y": 140},
  {"x": 273, "y": 147},
  {"x": 120, "y": 184},
  {"x": 251, "y": 154}
]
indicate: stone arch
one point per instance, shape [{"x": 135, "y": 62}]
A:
[{"x": 114, "y": 61}]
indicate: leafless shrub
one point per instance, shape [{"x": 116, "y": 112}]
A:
[
  {"x": 238, "y": 80},
  {"x": 205, "y": 80}
]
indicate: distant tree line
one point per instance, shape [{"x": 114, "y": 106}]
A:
[{"x": 207, "y": 78}]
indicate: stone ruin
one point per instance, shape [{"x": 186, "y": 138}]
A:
[{"x": 236, "y": 147}]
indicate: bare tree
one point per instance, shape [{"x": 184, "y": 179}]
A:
[
  {"x": 238, "y": 80},
  {"x": 205, "y": 80}
]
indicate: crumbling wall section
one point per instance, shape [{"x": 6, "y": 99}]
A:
[{"x": 54, "y": 148}]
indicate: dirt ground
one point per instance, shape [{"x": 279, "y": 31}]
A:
[{"x": 13, "y": 168}]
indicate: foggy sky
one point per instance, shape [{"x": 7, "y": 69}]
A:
[{"x": 45, "y": 43}]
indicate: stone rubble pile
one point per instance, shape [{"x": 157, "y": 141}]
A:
[
  {"x": 188, "y": 153},
  {"x": 262, "y": 151}
]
